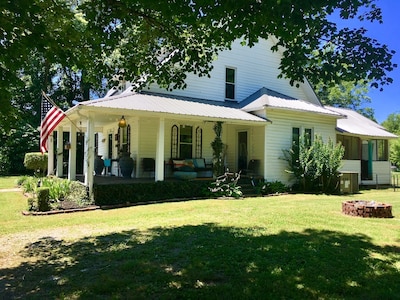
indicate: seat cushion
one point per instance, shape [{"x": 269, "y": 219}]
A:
[
  {"x": 185, "y": 175},
  {"x": 199, "y": 163},
  {"x": 178, "y": 163}
]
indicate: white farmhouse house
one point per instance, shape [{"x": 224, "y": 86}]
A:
[{"x": 261, "y": 115}]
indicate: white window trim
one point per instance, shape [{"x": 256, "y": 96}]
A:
[{"x": 234, "y": 84}]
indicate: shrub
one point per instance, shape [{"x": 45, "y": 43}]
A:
[
  {"x": 275, "y": 187},
  {"x": 43, "y": 200},
  {"x": 116, "y": 194},
  {"x": 58, "y": 188},
  {"x": 37, "y": 162},
  {"x": 32, "y": 204},
  {"x": 78, "y": 193},
  {"x": 226, "y": 185},
  {"x": 266, "y": 188},
  {"x": 5, "y": 165},
  {"x": 315, "y": 166},
  {"x": 28, "y": 183}
]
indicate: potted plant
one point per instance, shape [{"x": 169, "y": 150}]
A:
[
  {"x": 126, "y": 163},
  {"x": 218, "y": 150}
]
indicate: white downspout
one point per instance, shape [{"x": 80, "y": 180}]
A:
[{"x": 265, "y": 151}]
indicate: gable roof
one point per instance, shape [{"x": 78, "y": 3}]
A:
[
  {"x": 265, "y": 98},
  {"x": 357, "y": 124},
  {"x": 169, "y": 105}
]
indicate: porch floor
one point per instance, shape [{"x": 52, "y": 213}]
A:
[{"x": 102, "y": 180}]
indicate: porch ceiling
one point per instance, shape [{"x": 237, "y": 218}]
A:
[{"x": 109, "y": 109}]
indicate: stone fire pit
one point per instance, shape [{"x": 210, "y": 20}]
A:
[{"x": 367, "y": 209}]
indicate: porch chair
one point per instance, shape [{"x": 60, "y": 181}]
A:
[
  {"x": 149, "y": 165},
  {"x": 253, "y": 168}
]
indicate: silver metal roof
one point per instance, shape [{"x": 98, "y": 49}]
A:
[
  {"x": 265, "y": 101},
  {"x": 355, "y": 123},
  {"x": 169, "y": 105}
]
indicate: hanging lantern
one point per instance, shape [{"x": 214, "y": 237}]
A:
[{"x": 122, "y": 122}]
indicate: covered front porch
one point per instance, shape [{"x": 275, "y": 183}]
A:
[{"x": 151, "y": 128}]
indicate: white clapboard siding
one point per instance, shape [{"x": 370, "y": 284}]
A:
[
  {"x": 255, "y": 145},
  {"x": 353, "y": 166},
  {"x": 279, "y": 137},
  {"x": 381, "y": 172},
  {"x": 256, "y": 67}
]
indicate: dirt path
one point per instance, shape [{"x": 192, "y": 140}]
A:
[{"x": 10, "y": 190}]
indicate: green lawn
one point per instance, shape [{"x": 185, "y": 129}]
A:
[
  {"x": 283, "y": 247},
  {"x": 8, "y": 182}
]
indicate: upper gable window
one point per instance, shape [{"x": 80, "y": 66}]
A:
[{"x": 230, "y": 83}]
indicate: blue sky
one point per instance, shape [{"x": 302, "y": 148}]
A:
[{"x": 388, "y": 101}]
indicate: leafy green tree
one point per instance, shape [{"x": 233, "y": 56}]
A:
[
  {"x": 163, "y": 40},
  {"x": 394, "y": 154},
  {"x": 14, "y": 144},
  {"x": 65, "y": 46},
  {"x": 392, "y": 124},
  {"x": 346, "y": 94}
]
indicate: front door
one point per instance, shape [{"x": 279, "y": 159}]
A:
[{"x": 242, "y": 150}]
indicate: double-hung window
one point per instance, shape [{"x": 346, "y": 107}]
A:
[
  {"x": 184, "y": 140},
  {"x": 305, "y": 133},
  {"x": 230, "y": 83}
]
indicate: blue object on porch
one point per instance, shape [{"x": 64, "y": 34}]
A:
[
  {"x": 185, "y": 175},
  {"x": 107, "y": 165}
]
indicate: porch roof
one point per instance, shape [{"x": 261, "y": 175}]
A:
[
  {"x": 357, "y": 124},
  {"x": 263, "y": 98},
  {"x": 169, "y": 105}
]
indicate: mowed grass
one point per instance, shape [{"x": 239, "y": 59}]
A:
[
  {"x": 8, "y": 182},
  {"x": 284, "y": 247}
]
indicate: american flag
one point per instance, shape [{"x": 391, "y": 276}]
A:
[{"x": 51, "y": 116}]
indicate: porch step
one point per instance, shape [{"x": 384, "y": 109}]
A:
[{"x": 247, "y": 186}]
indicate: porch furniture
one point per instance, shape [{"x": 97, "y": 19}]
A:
[
  {"x": 252, "y": 168},
  {"x": 191, "y": 168},
  {"x": 148, "y": 165}
]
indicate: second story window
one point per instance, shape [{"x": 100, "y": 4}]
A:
[{"x": 230, "y": 83}]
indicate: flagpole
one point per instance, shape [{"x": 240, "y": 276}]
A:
[{"x": 54, "y": 104}]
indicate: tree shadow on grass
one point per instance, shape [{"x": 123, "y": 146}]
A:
[{"x": 207, "y": 262}]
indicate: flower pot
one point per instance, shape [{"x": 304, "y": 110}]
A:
[
  {"x": 126, "y": 165},
  {"x": 98, "y": 165}
]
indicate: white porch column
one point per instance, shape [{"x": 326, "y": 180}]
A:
[
  {"x": 50, "y": 156},
  {"x": 265, "y": 151},
  {"x": 89, "y": 155},
  {"x": 72, "y": 153},
  {"x": 159, "y": 174},
  {"x": 60, "y": 149}
]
